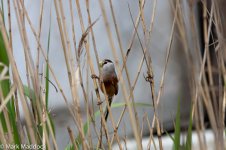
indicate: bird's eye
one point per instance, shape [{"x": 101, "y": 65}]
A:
[{"x": 105, "y": 62}]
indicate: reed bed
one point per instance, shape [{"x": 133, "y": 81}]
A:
[{"x": 206, "y": 60}]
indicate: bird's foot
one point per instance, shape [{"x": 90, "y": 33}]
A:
[
  {"x": 99, "y": 103},
  {"x": 93, "y": 76}
]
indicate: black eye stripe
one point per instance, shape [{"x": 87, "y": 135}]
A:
[{"x": 107, "y": 60}]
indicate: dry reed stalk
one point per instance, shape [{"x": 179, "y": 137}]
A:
[
  {"x": 39, "y": 34},
  {"x": 10, "y": 24},
  {"x": 149, "y": 78},
  {"x": 77, "y": 103},
  {"x": 94, "y": 81},
  {"x": 78, "y": 61},
  {"x": 125, "y": 95},
  {"x": 206, "y": 35},
  {"x": 88, "y": 54},
  {"x": 138, "y": 72},
  {"x": 150, "y": 75},
  {"x": 92, "y": 35},
  {"x": 90, "y": 140},
  {"x": 28, "y": 58},
  {"x": 3, "y": 108},
  {"x": 207, "y": 100},
  {"x": 3, "y": 74},
  {"x": 93, "y": 120},
  {"x": 193, "y": 88},
  {"x": 21, "y": 24},
  {"x": 220, "y": 34},
  {"x": 46, "y": 59},
  {"x": 18, "y": 82},
  {"x": 9, "y": 135},
  {"x": 133, "y": 35},
  {"x": 133, "y": 86},
  {"x": 190, "y": 62},
  {"x": 72, "y": 138},
  {"x": 203, "y": 86},
  {"x": 5, "y": 100},
  {"x": 142, "y": 124},
  {"x": 148, "y": 45},
  {"x": 46, "y": 143},
  {"x": 131, "y": 90},
  {"x": 97, "y": 62},
  {"x": 41, "y": 109},
  {"x": 80, "y": 74},
  {"x": 32, "y": 76},
  {"x": 47, "y": 63},
  {"x": 125, "y": 136},
  {"x": 45, "y": 138},
  {"x": 49, "y": 66},
  {"x": 162, "y": 78},
  {"x": 124, "y": 60},
  {"x": 11, "y": 45},
  {"x": 151, "y": 138},
  {"x": 152, "y": 18},
  {"x": 70, "y": 67}
]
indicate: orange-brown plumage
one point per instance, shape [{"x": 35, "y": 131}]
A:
[{"x": 109, "y": 79}]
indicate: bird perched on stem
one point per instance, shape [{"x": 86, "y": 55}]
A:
[
  {"x": 109, "y": 79},
  {"x": 108, "y": 82}
]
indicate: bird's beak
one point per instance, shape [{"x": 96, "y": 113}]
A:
[{"x": 101, "y": 64}]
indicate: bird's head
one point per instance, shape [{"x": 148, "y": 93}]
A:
[{"x": 104, "y": 62}]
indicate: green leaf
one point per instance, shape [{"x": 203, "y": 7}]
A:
[
  {"x": 115, "y": 105},
  {"x": 29, "y": 92}
]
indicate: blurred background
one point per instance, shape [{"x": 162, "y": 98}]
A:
[{"x": 182, "y": 69}]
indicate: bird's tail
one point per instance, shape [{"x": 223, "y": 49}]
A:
[{"x": 106, "y": 110}]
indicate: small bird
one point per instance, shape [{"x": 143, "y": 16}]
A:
[{"x": 109, "y": 78}]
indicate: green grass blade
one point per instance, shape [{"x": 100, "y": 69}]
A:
[
  {"x": 171, "y": 137},
  {"x": 177, "y": 128},
  {"x": 52, "y": 123},
  {"x": 47, "y": 67},
  {"x": 189, "y": 134}
]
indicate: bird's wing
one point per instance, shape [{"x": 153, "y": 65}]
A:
[{"x": 115, "y": 83}]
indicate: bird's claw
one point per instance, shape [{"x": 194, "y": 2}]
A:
[
  {"x": 93, "y": 76},
  {"x": 99, "y": 103}
]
